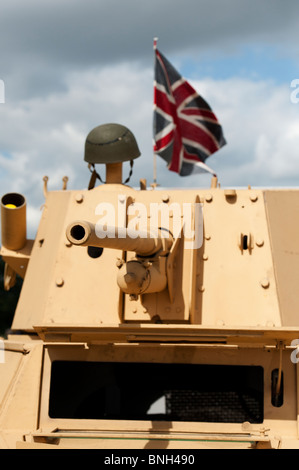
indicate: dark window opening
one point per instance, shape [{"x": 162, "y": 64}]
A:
[
  {"x": 164, "y": 392},
  {"x": 245, "y": 242}
]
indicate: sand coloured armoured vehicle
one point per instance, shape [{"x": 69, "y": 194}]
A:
[{"x": 148, "y": 318}]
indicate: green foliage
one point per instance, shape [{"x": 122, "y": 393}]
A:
[{"x": 8, "y": 301}]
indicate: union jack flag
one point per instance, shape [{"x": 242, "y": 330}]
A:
[{"x": 186, "y": 131}]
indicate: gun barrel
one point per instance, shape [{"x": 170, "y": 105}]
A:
[
  {"x": 142, "y": 242},
  {"x": 13, "y": 221}
]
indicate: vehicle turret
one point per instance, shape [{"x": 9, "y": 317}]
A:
[{"x": 151, "y": 317}]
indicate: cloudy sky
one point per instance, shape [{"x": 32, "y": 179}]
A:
[{"x": 70, "y": 65}]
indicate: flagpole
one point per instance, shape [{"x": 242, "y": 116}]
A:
[{"x": 154, "y": 184}]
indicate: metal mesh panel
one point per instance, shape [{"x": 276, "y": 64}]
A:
[{"x": 213, "y": 406}]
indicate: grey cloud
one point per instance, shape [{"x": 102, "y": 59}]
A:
[
  {"x": 42, "y": 41},
  {"x": 110, "y": 30}
]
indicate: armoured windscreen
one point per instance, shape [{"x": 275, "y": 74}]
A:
[{"x": 156, "y": 392}]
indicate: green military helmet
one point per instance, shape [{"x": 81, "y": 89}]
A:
[{"x": 110, "y": 143}]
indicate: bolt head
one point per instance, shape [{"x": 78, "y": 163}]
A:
[
  {"x": 259, "y": 242},
  {"x": 265, "y": 283},
  {"x": 119, "y": 263},
  {"x": 59, "y": 282},
  {"x": 79, "y": 198}
]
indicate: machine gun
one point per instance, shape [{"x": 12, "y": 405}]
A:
[{"x": 145, "y": 273}]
